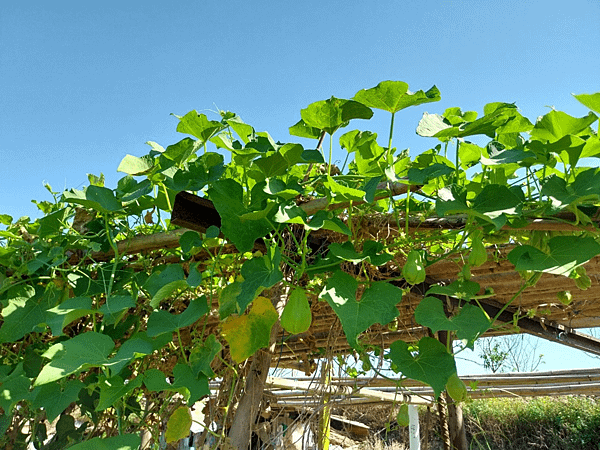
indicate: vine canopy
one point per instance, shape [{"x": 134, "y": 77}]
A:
[{"x": 109, "y": 305}]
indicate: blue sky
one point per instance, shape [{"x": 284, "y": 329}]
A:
[{"x": 82, "y": 84}]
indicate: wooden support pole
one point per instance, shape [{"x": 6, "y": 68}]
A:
[{"x": 456, "y": 425}]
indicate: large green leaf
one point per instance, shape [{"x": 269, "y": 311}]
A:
[
  {"x": 470, "y": 323},
  {"x": 393, "y": 96},
  {"x": 120, "y": 442},
  {"x": 259, "y": 274},
  {"x": 115, "y": 388},
  {"x": 191, "y": 387},
  {"x": 432, "y": 364},
  {"x": 591, "y": 101},
  {"x": 84, "y": 351},
  {"x": 98, "y": 198},
  {"x": 247, "y": 333},
  {"x": 55, "y": 398},
  {"x": 25, "y": 310},
  {"x": 491, "y": 204},
  {"x": 434, "y": 125},
  {"x": 564, "y": 254},
  {"x": 585, "y": 187},
  {"x": 136, "y": 346},
  {"x": 198, "y": 125},
  {"x": 377, "y": 304},
  {"x": 164, "y": 281},
  {"x": 227, "y": 196},
  {"x": 163, "y": 322},
  {"x": 340, "y": 192},
  {"x": 68, "y": 311},
  {"x": 301, "y": 129},
  {"x": 201, "y": 356},
  {"x": 134, "y": 165},
  {"x": 372, "y": 252},
  {"x": 557, "y": 124},
  {"x": 330, "y": 115}
]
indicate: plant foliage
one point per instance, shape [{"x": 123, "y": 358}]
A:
[{"x": 124, "y": 336}]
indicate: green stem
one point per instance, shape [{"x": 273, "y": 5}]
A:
[
  {"x": 330, "y": 154},
  {"x": 389, "y": 152},
  {"x": 457, "y": 160},
  {"x": 116, "y": 251}
]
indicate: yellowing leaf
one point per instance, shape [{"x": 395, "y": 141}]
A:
[
  {"x": 246, "y": 334},
  {"x": 179, "y": 424},
  {"x": 296, "y": 317}
]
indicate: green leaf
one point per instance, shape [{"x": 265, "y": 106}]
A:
[
  {"x": 189, "y": 386},
  {"x": 249, "y": 332},
  {"x": 371, "y": 253},
  {"x": 259, "y": 274},
  {"x": 586, "y": 187},
  {"x": 163, "y": 322},
  {"x": 115, "y": 389},
  {"x": 133, "y": 165},
  {"x": 98, "y": 198},
  {"x": 189, "y": 240},
  {"x": 300, "y": 129},
  {"x": 296, "y": 316},
  {"x": 71, "y": 309},
  {"x": 430, "y": 313},
  {"x": 121, "y": 442},
  {"x": 432, "y": 364},
  {"x": 227, "y": 196},
  {"x": 23, "y": 312},
  {"x": 470, "y": 323},
  {"x": 84, "y": 351},
  {"x": 243, "y": 130},
  {"x": 201, "y": 356},
  {"x": 462, "y": 290},
  {"x": 565, "y": 253},
  {"x": 163, "y": 282},
  {"x": 52, "y": 223},
  {"x": 136, "y": 346},
  {"x": 330, "y": 115},
  {"x": 340, "y": 192},
  {"x": 5, "y": 219},
  {"x": 591, "y": 101},
  {"x": 14, "y": 388},
  {"x": 198, "y": 125},
  {"x": 377, "y": 304},
  {"x": 557, "y": 124},
  {"x": 179, "y": 424},
  {"x": 393, "y": 96},
  {"x": 115, "y": 308}
]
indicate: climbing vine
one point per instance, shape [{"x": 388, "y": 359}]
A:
[{"x": 117, "y": 313}]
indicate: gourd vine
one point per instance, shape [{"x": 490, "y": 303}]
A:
[{"x": 114, "y": 314}]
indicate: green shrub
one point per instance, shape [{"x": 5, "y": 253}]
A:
[{"x": 554, "y": 423}]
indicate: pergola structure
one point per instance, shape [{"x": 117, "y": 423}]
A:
[{"x": 535, "y": 311}]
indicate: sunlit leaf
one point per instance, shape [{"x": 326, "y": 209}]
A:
[
  {"x": 377, "y": 304},
  {"x": 247, "y": 333},
  {"x": 432, "y": 364},
  {"x": 164, "y": 322},
  {"x": 565, "y": 253},
  {"x": 179, "y": 424},
  {"x": 83, "y": 351},
  {"x": 591, "y": 101},
  {"x": 330, "y": 115},
  {"x": 393, "y": 96}
]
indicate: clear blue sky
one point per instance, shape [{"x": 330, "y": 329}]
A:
[{"x": 82, "y": 84}]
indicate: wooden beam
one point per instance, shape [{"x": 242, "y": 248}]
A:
[{"x": 551, "y": 331}]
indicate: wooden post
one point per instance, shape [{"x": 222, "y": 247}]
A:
[
  {"x": 248, "y": 407},
  {"x": 456, "y": 426},
  {"x": 325, "y": 416}
]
